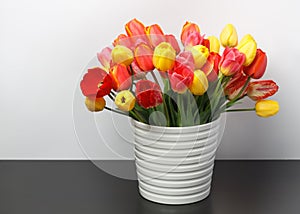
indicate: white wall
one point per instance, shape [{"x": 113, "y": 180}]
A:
[{"x": 45, "y": 45}]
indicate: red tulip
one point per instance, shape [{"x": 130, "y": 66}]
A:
[
  {"x": 211, "y": 67},
  {"x": 148, "y": 94},
  {"x": 206, "y": 43},
  {"x": 155, "y": 34},
  {"x": 123, "y": 40},
  {"x": 96, "y": 83},
  {"x": 143, "y": 55},
  {"x": 189, "y": 31},
  {"x": 181, "y": 76},
  {"x": 231, "y": 61},
  {"x": 258, "y": 67},
  {"x": 121, "y": 78},
  {"x": 137, "y": 72},
  {"x": 172, "y": 40},
  {"x": 261, "y": 89},
  {"x": 104, "y": 58},
  {"x": 134, "y": 28},
  {"x": 234, "y": 86}
]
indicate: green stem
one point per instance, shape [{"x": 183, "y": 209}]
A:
[
  {"x": 115, "y": 111},
  {"x": 132, "y": 77},
  {"x": 111, "y": 97},
  {"x": 154, "y": 77},
  {"x": 241, "y": 109},
  {"x": 238, "y": 96}
]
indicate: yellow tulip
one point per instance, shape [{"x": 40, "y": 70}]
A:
[
  {"x": 200, "y": 54},
  {"x": 199, "y": 84},
  {"x": 122, "y": 55},
  {"x": 95, "y": 105},
  {"x": 164, "y": 56},
  {"x": 248, "y": 47},
  {"x": 266, "y": 108},
  {"x": 214, "y": 44},
  {"x": 228, "y": 36},
  {"x": 125, "y": 100}
]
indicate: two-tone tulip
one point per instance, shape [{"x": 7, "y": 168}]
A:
[
  {"x": 235, "y": 85},
  {"x": 228, "y": 36},
  {"x": 155, "y": 34},
  {"x": 148, "y": 94},
  {"x": 199, "y": 84},
  {"x": 188, "y": 29},
  {"x": 231, "y": 61},
  {"x": 125, "y": 100},
  {"x": 95, "y": 105},
  {"x": 258, "y": 67},
  {"x": 262, "y": 89},
  {"x": 164, "y": 56},
  {"x": 248, "y": 47},
  {"x": 122, "y": 55},
  {"x": 134, "y": 28},
  {"x": 214, "y": 44},
  {"x": 266, "y": 108},
  {"x": 121, "y": 77},
  {"x": 104, "y": 57},
  {"x": 200, "y": 54},
  {"x": 211, "y": 67},
  {"x": 143, "y": 55}
]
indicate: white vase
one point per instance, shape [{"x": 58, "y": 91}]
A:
[{"x": 175, "y": 164}]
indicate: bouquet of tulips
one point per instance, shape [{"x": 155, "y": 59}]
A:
[{"x": 154, "y": 79}]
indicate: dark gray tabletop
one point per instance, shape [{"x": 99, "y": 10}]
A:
[{"x": 71, "y": 187}]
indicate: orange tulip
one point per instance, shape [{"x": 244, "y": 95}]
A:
[
  {"x": 143, "y": 55},
  {"x": 95, "y": 105},
  {"x": 188, "y": 29},
  {"x": 155, "y": 34},
  {"x": 121, "y": 77},
  {"x": 258, "y": 67},
  {"x": 135, "y": 28},
  {"x": 123, "y": 40}
]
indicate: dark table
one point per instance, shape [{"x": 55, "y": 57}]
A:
[{"x": 71, "y": 187}]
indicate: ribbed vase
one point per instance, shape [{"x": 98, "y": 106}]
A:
[{"x": 175, "y": 164}]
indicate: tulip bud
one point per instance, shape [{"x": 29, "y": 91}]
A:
[
  {"x": 172, "y": 40},
  {"x": 95, "y": 105},
  {"x": 258, "y": 67},
  {"x": 188, "y": 29},
  {"x": 104, "y": 57},
  {"x": 211, "y": 67},
  {"x": 200, "y": 83},
  {"x": 200, "y": 54},
  {"x": 148, "y": 94},
  {"x": 266, "y": 108},
  {"x": 228, "y": 36},
  {"x": 120, "y": 77},
  {"x": 214, "y": 44},
  {"x": 143, "y": 55},
  {"x": 164, "y": 56},
  {"x": 262, "y": 89},
  {"x": 155, "y": 34},
  {"x": 235, "y": 85},
  {"x": 123, "y": 40},
  {"x": 248, "y": 46},
  {"x": 121, "y": 54},
  {"x": 125, "y": 100},
  {"x": 231, "y": 61},
  {"x": 134, "y": 28}
]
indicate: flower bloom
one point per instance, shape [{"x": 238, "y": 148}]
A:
[
  {"x": 125, "y": 100},
  {"x": 200, "y": 83},
  {"x": 148, "y": 94},
  {"x": 121, "y": 77},
  {"x": 258, "y": 67},
  {"x": 189, "y": 30},
  {"x": 235, "y": 85},
  {"x": 200, "y": 54},
  {"x": 266, "y": 108},
  {"x": 214, "y": 44},
  {"x": 143, "y": 55},
  {"x": 248, "y": 47},
  {"x": 137, "y": 72},
  {"x": 164, "y": 56},
  {"x": 96, "y": 83},
  {"x": 155, "y": 34},
  {"x": 231, "y": 61},
  {"x": 104, "y": 57},
  {"x": 121, "y": 54},
  {"x": 228, "y": 36},
  {"x": 134, "y": 28},
  {"x": 172, "y": 40},
  {"x": 262, "y": 89},
  {"x": 181, "y": 76},
  {"x": 123, "y": 40},
  {"x": 95, "y": 105},
  {"x": 211, "y": 67}
]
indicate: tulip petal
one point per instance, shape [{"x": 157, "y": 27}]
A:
[{"x": 262, "y": 89}]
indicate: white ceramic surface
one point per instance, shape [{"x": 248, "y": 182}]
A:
[{"x": 175, "y": 164}]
